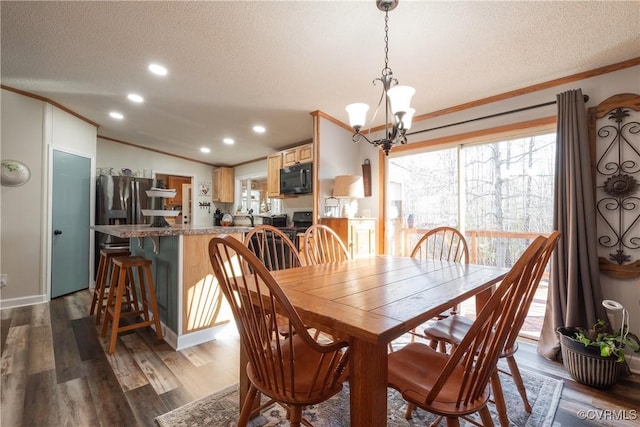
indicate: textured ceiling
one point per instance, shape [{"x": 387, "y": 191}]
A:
[{"x": 236, "y": 63}]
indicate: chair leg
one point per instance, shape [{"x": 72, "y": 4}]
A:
[
  {"x": 295, "y": 416},
  {"x": 247, "y": 406},
  {"x": 433, "y": 344},
  {"x": 409, "y": 413},
  {"x": 517, "y": 378},
  {"x": 436, "y": 422},
  {"x": 498, "y": 397},
  {"x": 485, "y": 416},
  {"x": 453, "y": 422}
]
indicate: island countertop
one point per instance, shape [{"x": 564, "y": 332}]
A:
[{"x": 144, "y": 230}]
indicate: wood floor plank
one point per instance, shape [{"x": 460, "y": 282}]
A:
[
  {"x": 109, "y": 399},
  {"x": 15, "y": 355},
  {"x": 148, "y": 405},
  {"x": 198, "y": 356},
  {"x": 12, "y": 398},
  {"x": 75, "y": 403},
  {"x": 78, "y": 305},
  {"x": 40, "y": 315},
  {"x": 86, "y": 336},
  {"x": 21, "y": 315},
  {"x": 159, "y": 375},
  {"x": 41, "y": 407},
  {"x": 67, "y": 358},
  {"x": 199, "y": 380},
  {"x": 41, "y": 356},
  {"x": 127, "y": 372}
]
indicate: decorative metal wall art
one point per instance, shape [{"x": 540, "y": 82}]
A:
[{"x": 616, "y": 149}]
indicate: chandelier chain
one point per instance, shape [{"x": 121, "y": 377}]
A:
[{"x": 386, "y": 70}]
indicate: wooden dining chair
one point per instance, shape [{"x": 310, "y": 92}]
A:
[
  {"x": 273, "y": 248},
  {"x": 445, "y": 243},
  {"x": 323, "y": 245},
  {"x": 452, "y": 331},
  {"x": 295, "y": 371},
  {"x": 457, "y": 384},
  {"x": 440, "y": 243}
]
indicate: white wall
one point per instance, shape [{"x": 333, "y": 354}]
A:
[
  {"x": 31, "y": 129},
  {"x": 339, "y": 155},
  {"x": 118, "y": 156},
  {"x": 22, "y": 208}
]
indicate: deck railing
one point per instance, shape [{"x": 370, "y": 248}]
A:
[{"x": 485, "y": 247}]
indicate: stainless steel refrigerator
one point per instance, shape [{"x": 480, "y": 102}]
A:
[{"x": 119, "y": 201}]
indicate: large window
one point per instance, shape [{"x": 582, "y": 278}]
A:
[{"x": 498, "y": 193}]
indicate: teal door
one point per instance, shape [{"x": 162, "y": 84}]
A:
[{"x": 70, "y": 223}]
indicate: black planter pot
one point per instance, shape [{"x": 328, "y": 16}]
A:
[{"x": 585, "y": 364}]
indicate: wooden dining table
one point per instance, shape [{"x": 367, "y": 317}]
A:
[{"x": 370, "y": 302}]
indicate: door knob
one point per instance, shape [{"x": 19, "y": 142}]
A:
[{"x": 57, "y": 232}]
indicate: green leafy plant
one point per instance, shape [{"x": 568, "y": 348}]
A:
[{"x": 610, "y": 343}]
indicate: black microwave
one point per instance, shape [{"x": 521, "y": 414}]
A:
[{"x": 296, "y": 179}]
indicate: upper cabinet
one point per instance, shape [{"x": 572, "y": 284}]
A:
[
  {"x": 290, "y": 157},
  {"x": 222, "y": 183},
  {"x": 176, "y": 182},
  {"x": 274, "y": 164},
  {"x": 301, "y": 154}
]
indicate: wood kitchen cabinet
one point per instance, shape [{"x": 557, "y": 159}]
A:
[
  {"x": 222, "y": 185},
  {"x": 274, "y": 164},
  {"x": 358, "y": 234},
  {"x": 176, "y": 182},
  {"x": 301, "y": 154}
]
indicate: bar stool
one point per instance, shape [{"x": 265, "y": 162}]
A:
[
  {"x": 104, "y": 269},
  {"x": 145, "y": 312}
]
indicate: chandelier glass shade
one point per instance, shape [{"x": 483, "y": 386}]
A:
[{"x": 397, "y": 99}]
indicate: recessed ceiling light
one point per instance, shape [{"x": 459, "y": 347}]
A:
[
  {"x": 228, "y": 141},
  {"x": 259, "y": 129},
  {"x": 134, "y": 97},
  {"x": 205, "y": 150},
  {"x": 116, "y": 115},
  {"x": 158, "y": 69}
]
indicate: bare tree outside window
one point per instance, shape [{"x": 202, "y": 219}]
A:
[{"x": 500, "y": 197}]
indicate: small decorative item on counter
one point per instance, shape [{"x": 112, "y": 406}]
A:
[
  {"x": 217, "y": 217},
  {"x": 125, "y": 172},
  {"x": 227, "y": 220}
]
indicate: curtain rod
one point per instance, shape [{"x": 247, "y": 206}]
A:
[{"x": 517, "y": 110}]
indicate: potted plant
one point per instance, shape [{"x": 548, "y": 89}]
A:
[{"x": 594, "y": 357}]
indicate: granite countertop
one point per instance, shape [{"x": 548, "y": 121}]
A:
[{"x": 144, "y": 230}]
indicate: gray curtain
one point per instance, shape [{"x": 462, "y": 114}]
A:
[{"x": 574, "y": 289}]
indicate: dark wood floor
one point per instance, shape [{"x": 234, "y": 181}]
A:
[{"x": 54, "y": 372}]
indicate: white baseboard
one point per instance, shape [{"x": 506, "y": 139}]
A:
[
  {"x": 194, "y": 338},
  {"x": 22, "y": 301}
]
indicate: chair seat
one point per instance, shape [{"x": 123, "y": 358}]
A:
[
  {"x": 453, "y": 329},
  {"x": 416, "y": 367},
  {"x": 306, "y": 387}
]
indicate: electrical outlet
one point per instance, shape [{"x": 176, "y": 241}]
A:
[{"x": 3, "y": 280}]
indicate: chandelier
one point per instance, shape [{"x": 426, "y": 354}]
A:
[{"x": 396, "y": 99}]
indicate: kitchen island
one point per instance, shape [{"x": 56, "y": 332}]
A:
[{"x": 190, "y": 303}]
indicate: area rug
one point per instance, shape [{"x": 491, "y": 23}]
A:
[{"x": 221, "y": 409}]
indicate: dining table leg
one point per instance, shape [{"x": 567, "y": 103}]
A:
[{"x": 368, "y": 383}]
